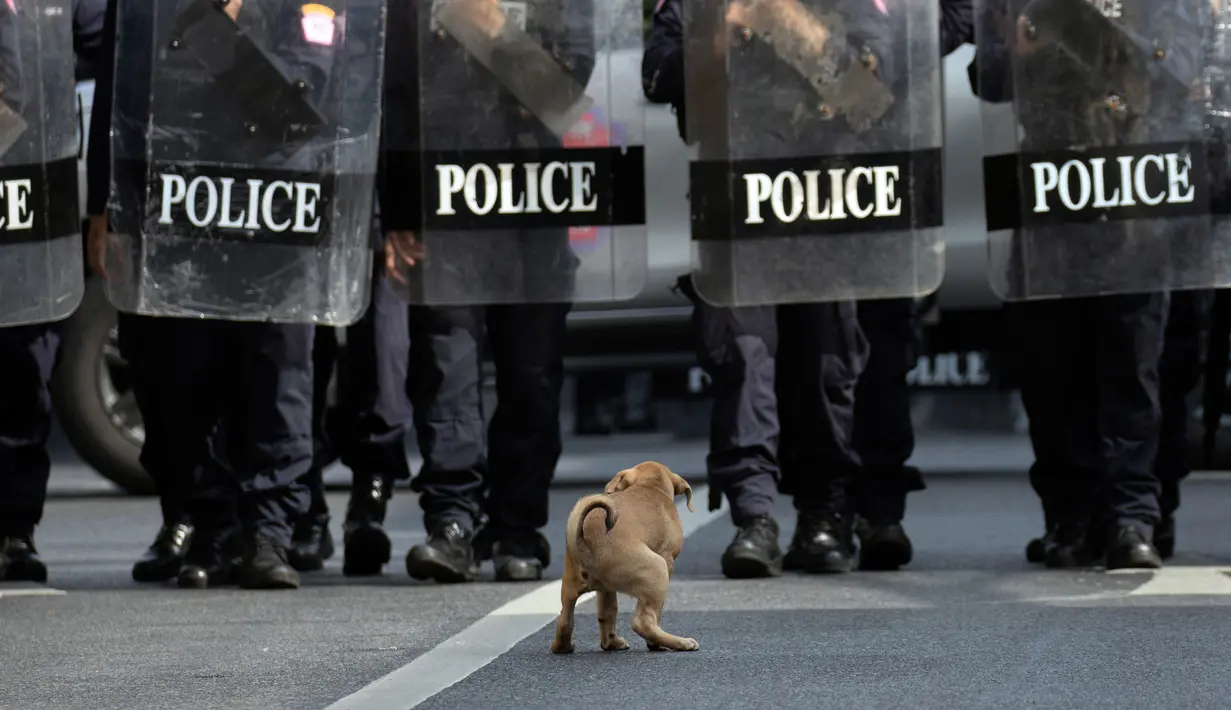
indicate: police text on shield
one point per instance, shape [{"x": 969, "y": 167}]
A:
[
  {"x": 840, "y": 194},
  {"x": 216, "y": 202},
  {"x": 17, "y": 214},
  {"x": 1101, "y": 183},
  {"x": 512, "y": 188}
]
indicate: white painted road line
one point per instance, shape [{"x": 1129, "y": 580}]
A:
[
  {"x": 1183, "y": 581},
  {"x": 31, "y": 592},
  {"x": 488, "y": 638}
]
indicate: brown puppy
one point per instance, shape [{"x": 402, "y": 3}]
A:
[{"x": 625, "y": 540}]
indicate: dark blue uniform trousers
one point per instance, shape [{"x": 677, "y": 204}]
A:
[
  {"x": 240, "y": 393},
  {"x": 510, "y": 486},
  {"x": 367, "y": 429},
  {"x": 1090, "y": 388},
  {"x": 28, "y": 356},
  {"x": 783, "y": 380},
  {"x": 1179, "y": 372},
  {"x": 884, "y": 436}
]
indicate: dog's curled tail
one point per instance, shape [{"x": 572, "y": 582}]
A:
[{"x": 592, "y": 503}]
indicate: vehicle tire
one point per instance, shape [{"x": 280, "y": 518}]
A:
[{"x": 93, "y": 405}]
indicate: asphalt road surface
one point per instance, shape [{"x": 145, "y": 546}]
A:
[{"x": 969, "y": 624}]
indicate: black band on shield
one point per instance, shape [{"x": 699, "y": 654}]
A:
[
  {"x": 39, "y": 203},
  {"x": 812, "y": 196},
  {"x": 1040, "y": 189},
  {"x": 534, "y": 188},
  {"x": 235, "y": 204}
]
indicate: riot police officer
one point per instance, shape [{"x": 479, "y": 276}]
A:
[
  {"x": 252, "y": 381},
  {"x": 884, "y": 435},
  {"x": 785, "y": 377},
  {"x": 366, "y": 430},
  {"x": 29, "y": 353},
  {"x": 1110, "y": 77},
  {"x": 514, "y": 294}
]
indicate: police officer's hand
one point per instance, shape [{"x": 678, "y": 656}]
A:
[
  {"x": 232, "y": 9},
  {"x": 97, "y": 242},
  {"x": 487, "y": 15},
  {"x": 401, "y": 247}
]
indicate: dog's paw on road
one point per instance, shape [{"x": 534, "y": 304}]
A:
[{"x": 616, "y": 644}]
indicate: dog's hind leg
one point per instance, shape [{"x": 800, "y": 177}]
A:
[
  {"x": 571, "y": 588},
  {"x": 608, "y": 611},
  {"x": 651, "y": 592}
]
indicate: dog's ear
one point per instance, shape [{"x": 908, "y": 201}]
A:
[
  {"x": 682, "y": 488},
  {"x": 622, "y": 480}
]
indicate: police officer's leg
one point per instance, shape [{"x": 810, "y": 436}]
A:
[
  {"x": 28, "y": 356},
  {"x": 884, "y": 436},
  {"x": 1058, "y": 394},
  {"x": 821, "y": 353},
  {"x": 1179, "y": 371},
  {"x": 1130, "y": 343},
  {"x": 312, "y": 543},
  {"x": 737, "y": 348},
  {"x": 163, "y": 559},
  {"x": 444, "y": 387},
  {"x": 372, "y": 405},
  {"x": 269, "y": 424},
  {"x": 524, "y": 445},
  {"x": 184, "y": 361}
]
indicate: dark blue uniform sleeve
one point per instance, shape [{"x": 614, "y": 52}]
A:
[
  {"x": 304, "y": 40},
  {"x": 1183, "y": 22},
  {"x": 662, "y": 65},
  {"x": 398, "y": 184},
  {"x": 991, "y": 72},
  {"x": 98, "y": 157},
  {"x": 11, "y": 75},
  {"x": 88, "y": 29},
  {"x": 956, "y": 25}
]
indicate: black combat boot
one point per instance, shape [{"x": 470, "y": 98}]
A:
[
  {"x": 1127, "y": 548},
  {"x": 520, "y": 555},
  {"x": 209, "y": 561},
  {"x": 163, "y": 559},
  {"x": 823, "y": 543},
  {"x": 19, "y": 561},
  {"x": 883, "y": 546},
  {"x": 1068, "y": 546},
  {"x": 754, "y": 552},
  {"x": 312, "y": 543},
  {"x": 266, "y": 564},
  {"x": 367, "y": 545},
  {"x": 447, "y": 556},
  {"x": 1164, "y": 538}
]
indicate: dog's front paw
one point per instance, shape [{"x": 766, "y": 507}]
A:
[
  {"x": 559, "y": 646},
  {"x": 689, "y": 645},
  {"x": 616, "y": 643}
]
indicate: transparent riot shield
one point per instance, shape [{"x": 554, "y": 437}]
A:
[
  {"x": 245, "y": 139},
  {"x": 819, "y": 135},
  {"x": 529, "y": 167},
  {"x": 1097, "y": 167},
  {"x": 40, "y": 214}
]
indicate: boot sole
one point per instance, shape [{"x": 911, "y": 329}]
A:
[
  {"x": 747, "y": 567},
  {"x": 433, "y": 568},
  {"x": 529, "y": 572},
  {"x": 24, "y": 573},
  {"x": 367, "y": 552},
  {"x": 281, "y": 579},
  {"x": 149, "y": 573},
  {"x": 1036, "y": 551},
  {"x": 884, "y": 558},
  {"x": 306, "y": 563}
]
